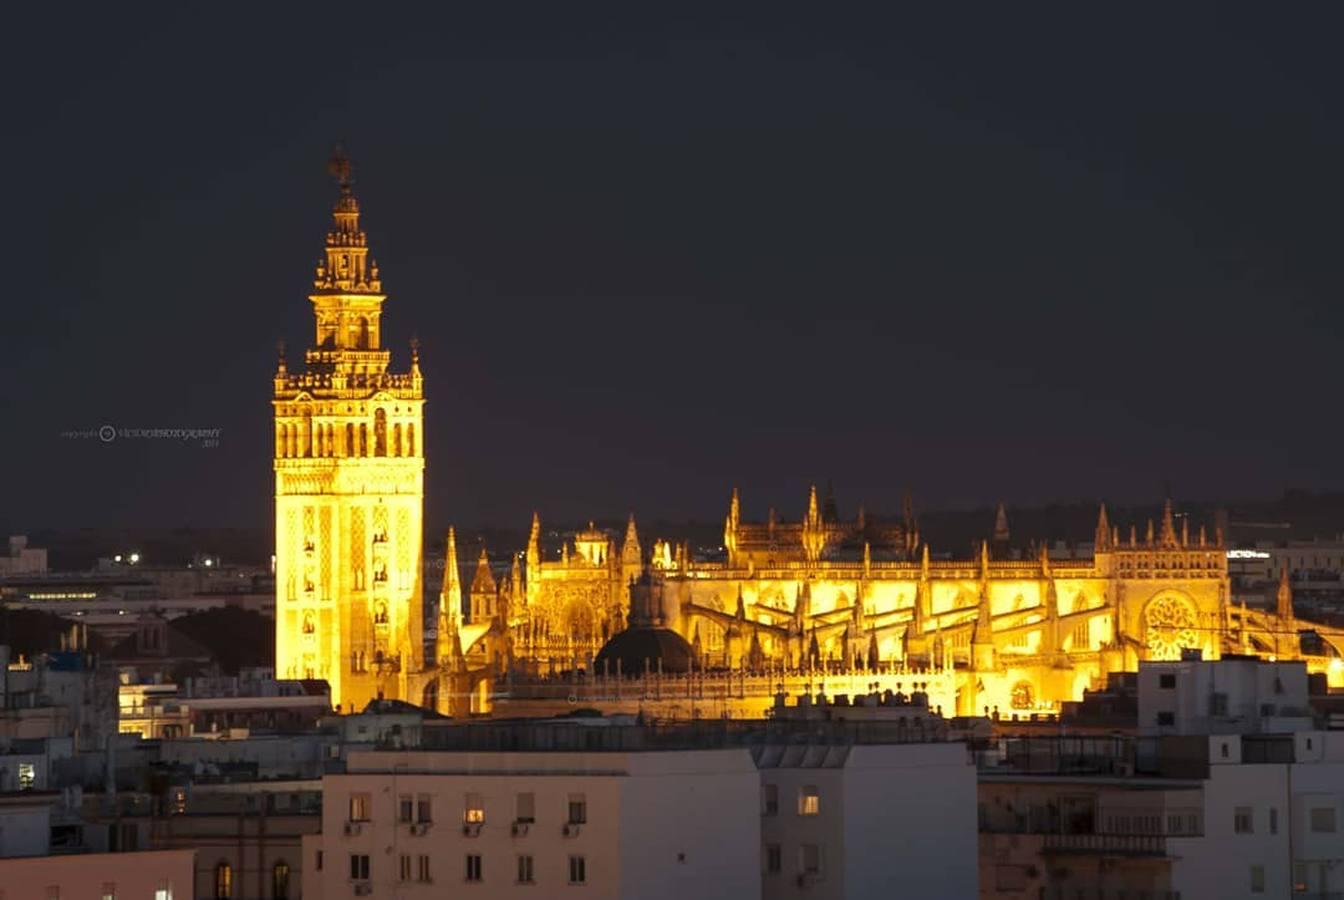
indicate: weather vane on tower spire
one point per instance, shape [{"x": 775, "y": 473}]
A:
[{"x": 340, "y": 168}]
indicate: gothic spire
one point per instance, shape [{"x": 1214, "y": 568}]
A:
[
  {"x": 1168, "y": 535},
  {"x": 1001, "y": 534},
  {"x": 1102, "y": 540},
  {"x": 450, "y": 597},
  {"x": 1284, "y": 596}
]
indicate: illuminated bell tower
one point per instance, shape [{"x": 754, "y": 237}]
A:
[{"x": 349, "y": 486}]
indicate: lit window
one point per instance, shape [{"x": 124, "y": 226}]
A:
[
  {"x": 27, "y": 776},
  {"x": 525, "y": 870},
  {"x": 527, "y": 808},
  {"x": 578, "y": 870},
  {"x": 1242, "y": 822},
  {"x": 1323, "y": 820},
  {"x": 109, "y": 891},
  {"x": 223, "y": 881},
  {"x": 280, "y": 881},
  {"x": 578, "y": 809},
  {"x": 769, "y": 799},
  {"x": 473, "y": 867},
  {"x": 809, "y": 800},
  {"x": 359, "y": 807},
  {"x": 474, "y": 810},
  {"x": 163, "y": 894}
]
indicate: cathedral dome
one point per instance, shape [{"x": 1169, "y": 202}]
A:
[{"x": 634, "y": 646}]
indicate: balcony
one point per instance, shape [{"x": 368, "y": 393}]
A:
[{"x": 1154, "y": 845}]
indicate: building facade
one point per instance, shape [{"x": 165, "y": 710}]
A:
[{"x": 525, "y": 824}]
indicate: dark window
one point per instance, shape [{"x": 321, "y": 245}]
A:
[
  {"x": 359, "y": 866},
  {"x": 1167, "y": 680},
  {"x": 1166, "y": 718}
]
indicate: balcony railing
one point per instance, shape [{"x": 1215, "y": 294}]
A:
[{"x": 1106, "y": 844}]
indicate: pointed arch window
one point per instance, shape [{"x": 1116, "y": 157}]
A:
[
  {"x": 410, "y": 439},
  {"x": 380, "y": 432}
]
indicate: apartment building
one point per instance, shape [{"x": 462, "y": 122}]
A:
[
  {"x": 637, "y": 824},
  {"x": 1180, "y": 812},
  {"x": 806, "y": 805}
]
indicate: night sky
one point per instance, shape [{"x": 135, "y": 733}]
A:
[{"x": 997, "y": 255}]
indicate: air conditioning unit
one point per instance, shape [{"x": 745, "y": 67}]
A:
[
  {"x": 363, "y": 889},
  {"x": 519, "y": 829},
  {"x": 351, "y": 828},
  {"x": 472, "y": 829},
  {"x": 572, "y": 829}
]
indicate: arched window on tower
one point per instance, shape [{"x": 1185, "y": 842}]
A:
[
  {"x": 410, "y": 439},
  {"x": 363, "y": 439},
  {"x": 349, "y": 439},
  {"x": 396, "y": 439},
  {"x": 380, "y": 432},
  {"x": 309, "y": 623},
  {"x": 364, "y": 332},
  {"x": 380, "y": 613}
]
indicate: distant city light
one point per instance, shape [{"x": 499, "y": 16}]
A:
[
  {"x": 134, "y": 558},
  {"x": 1247, "y": 554}
]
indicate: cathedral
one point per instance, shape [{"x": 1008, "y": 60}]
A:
[{"x": 810, "y": 600}]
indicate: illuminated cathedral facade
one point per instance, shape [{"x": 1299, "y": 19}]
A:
[{"x": 805, "y": 599}]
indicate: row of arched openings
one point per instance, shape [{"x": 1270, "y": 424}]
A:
[{"x": 293, "y": 441}]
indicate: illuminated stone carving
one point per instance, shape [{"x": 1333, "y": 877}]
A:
[{"x": 1170, "y": 625}]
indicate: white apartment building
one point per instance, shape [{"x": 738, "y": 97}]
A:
[
  {"x": 538, "y": 824},
  {"x": 867, "y": 820},
  {"x": 805, "y": 805},
  {"x": 1228, "y": 696},
  {"x": 1191, "y": 810}
]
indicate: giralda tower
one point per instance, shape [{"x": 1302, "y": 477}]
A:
[{"x": 349, "y": 486}]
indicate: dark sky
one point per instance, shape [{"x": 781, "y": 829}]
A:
[{"x": 996, "y": 255}]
